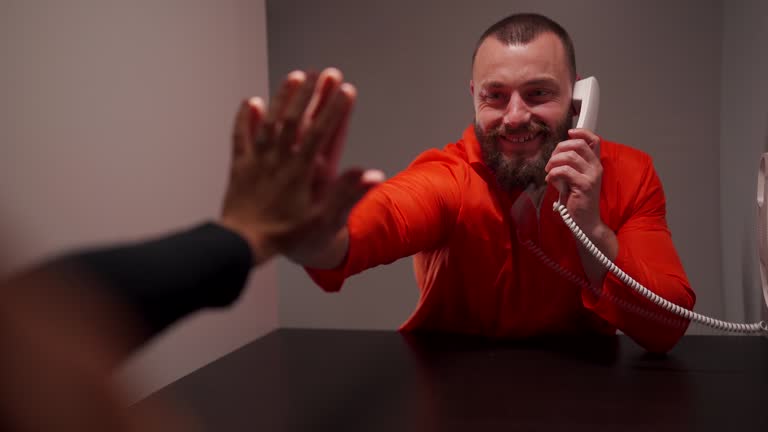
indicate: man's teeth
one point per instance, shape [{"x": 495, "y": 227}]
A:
[{"x": 522, "y": 139}]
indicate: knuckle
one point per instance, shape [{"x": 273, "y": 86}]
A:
[
  {"x": 314, "y": 132},
  {"x": 291, "y": 122},
  {"x": 310, "y": 141},
  {"x": 269, "y": 127},
  {"x": 292, "y": 114},
  {"x": 271, "y": 118}
]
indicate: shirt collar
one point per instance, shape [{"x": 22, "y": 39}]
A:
[{"x": 472, "y": 146}]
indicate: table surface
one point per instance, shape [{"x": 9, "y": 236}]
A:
[{"x": 346, "y": 380}]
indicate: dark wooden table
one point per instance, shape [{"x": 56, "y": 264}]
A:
[{"x": 330, "y": 380}]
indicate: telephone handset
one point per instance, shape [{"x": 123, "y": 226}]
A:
[
  {"x": 586, "y": 101},
  {"x": 585, "y": 105}
]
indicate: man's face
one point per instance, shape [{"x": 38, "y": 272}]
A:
[{"x": 522, "y": 97}]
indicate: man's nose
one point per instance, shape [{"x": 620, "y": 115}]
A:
[{"x": 518, "y": 113}]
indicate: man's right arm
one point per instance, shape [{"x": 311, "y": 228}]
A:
[
  {"x": 412, "y": 212},
  {"x": 329, "y": 257}
]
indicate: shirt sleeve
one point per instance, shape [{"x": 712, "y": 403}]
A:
[
  {"x": 165, "y": 279},
  {"x": 412, "y": 212},
  {"x": 647, "y": 254}
]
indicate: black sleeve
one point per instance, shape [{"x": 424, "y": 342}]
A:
[{"x": 165, "y": 279}]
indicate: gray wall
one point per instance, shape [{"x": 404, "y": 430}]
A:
[
  {"x": 659, "y": 67},
  {"x": 114, "y": 122},
  {"x": 743, "y": 138}
]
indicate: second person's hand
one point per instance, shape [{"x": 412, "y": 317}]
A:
[{"x": 285, "y": 194}]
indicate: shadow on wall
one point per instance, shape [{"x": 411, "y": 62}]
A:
[
  {"x": 748, "y": 271},
  {"x": 753, "y": 293},
  {"x": 764, "y": 310}
]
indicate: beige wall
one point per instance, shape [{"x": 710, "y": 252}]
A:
[
  {"x": 659, "y": 66},
  {"x": 114, "y": 124}
]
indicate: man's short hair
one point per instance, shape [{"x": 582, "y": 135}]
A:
[{"x": 520, "y": 29}]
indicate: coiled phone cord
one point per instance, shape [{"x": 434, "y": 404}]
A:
[
  {"x": 757, "y": 327},
  {"x": 583, "y": 284}
]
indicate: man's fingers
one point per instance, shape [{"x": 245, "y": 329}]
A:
[
  {"x": 580, "y": 146},
  {"x": 332, "y": 150},
  {"x": 592, "y": 139},
  {"x": 256, "y": 117},
  {"x": 572, "y": 158},
  {"x": 278, "y": 103},
  {"x": 247, "y": 121},
  {"x": 347, "y": 190},
  {"x": 327, "y": 122},
  {"x": 330, "y": 79},
  {"x": 585, "y": 134},
  {"x": 291, "y": 120},
  {"x": 327, "y": 159},
  {"x": 566, "y": 176},
  {"x": 241, "y": 130},
  {"x": 371, "y": 178}
]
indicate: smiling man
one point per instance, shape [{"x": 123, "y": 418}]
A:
[
  {"x": 490, "y": 256},
  {"x": 522, "y": 113}
]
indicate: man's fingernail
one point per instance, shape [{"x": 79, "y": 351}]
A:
[
  {"x": 256, "y": 103},
  {"x": 349, "y": 89},
  {"x": 333, "y": 73},
  {"x": 296, "y": 75},
  {"x": 373, "y": 176}
]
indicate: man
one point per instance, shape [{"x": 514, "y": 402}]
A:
[
  {"x": 65, "y": 324},
  {"x": 491, "y": 258}
]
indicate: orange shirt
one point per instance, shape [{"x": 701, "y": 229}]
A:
[{"x": 488, "y": 263}]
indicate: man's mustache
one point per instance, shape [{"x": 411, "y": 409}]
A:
[{"x": 532, "y": 127}]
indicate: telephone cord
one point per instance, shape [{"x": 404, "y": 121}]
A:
[{"x": 757, "y": 327}]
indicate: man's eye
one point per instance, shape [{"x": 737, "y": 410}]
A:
[
  {"x": 540, "y": 93},
  {"x": 494, "y": 96}
]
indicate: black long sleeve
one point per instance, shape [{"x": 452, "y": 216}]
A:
[{"x": 165, "y": 279}]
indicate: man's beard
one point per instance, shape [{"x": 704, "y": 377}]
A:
[{"x": 520, "y": 173}]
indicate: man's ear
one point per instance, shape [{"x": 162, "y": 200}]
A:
[{"x": 472, "y": 88}]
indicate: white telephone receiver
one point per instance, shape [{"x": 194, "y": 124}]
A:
[{"x": 586, "y": 100}]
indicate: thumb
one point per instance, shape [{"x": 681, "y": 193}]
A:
[{"x": 347, "y": 191}]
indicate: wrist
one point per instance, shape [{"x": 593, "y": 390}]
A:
[
  {"x": 603, "y": 238},
  {"x": 327, "y": 255},
  {"x": 260, "y": 249}
]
